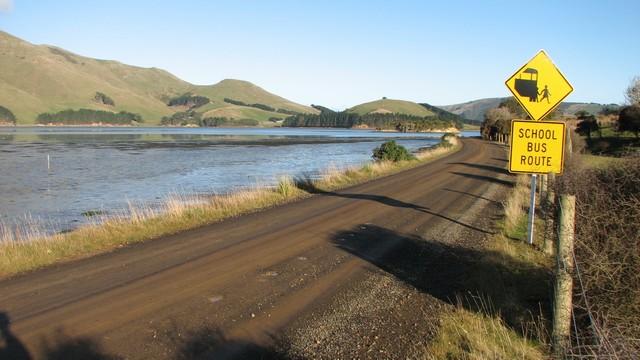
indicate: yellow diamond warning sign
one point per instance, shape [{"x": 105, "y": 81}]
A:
[
  {"x": 536, "y": 147},
  {"x": 539, "y": 86}
]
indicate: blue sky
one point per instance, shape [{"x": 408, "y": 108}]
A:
[{"x": 341, "y": 53}]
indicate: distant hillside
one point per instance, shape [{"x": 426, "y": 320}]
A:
[
  {"x": 389, "y": 106},
  {"x": 475, "y": 110},
  {"x": 444, "y": 114},
  {"x": 37, "y": 79},
  {"x": 385, "y": 114}
]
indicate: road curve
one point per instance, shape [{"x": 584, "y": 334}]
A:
[{"x": 246, "y": 279}]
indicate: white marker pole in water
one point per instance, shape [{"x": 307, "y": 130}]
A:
[
  {"x": 48, "y": 162},
  {"x": 532, "y": 209}
]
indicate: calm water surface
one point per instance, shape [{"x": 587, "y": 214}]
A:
[{"x": 105, "y": 168}]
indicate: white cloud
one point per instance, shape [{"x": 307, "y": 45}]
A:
[{"x": 6, "y": 5}]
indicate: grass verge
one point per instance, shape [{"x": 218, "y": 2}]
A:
[
  {"x": 507, "y": 318},
  {"x": 29, "y": 249}
]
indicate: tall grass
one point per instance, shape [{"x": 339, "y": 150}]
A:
[
  {"x": 465, "y": 334},
  {"x": 29, "y": 247},
  {"x": 515, "y": 207}
]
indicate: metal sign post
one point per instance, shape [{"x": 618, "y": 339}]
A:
[
  {"x": 537, "y": 147},
  {"x": 532, "y": 209}
]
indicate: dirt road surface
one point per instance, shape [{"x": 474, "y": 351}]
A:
[{"x": 358, "y": 273}]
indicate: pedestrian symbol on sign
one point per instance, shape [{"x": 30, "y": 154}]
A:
[{"x": 532, "y": 84}]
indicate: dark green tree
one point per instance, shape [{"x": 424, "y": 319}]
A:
[
  {"x": 102, "y": 98},
  {"x": 189, "y": 100},
  {"x": 391, "y": 151},
  {"x": 629, "y": 119},
  {"x": 89, "y": 116},
  {"x": 6, "y": 115},
  {"x": 587, "y": 124}
]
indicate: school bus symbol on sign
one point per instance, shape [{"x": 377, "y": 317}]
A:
[
  {"x": 539, "y": 86},
  {"x": 536, "y": 147}
]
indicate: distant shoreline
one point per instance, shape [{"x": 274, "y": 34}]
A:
[{"x": 101, "y": 125}]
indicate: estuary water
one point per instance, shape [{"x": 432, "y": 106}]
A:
[{"x": 56, "y": 176}]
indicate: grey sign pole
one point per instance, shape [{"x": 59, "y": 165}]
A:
[{"x": 532, "y": 209}]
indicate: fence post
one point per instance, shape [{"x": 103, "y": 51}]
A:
[{"x": 562, "y": 305}]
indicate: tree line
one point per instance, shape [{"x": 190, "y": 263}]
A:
[
  {"x": 189, "y": 100},
  {"x": 260, "y": 106},
  {"x": 342, "y": 119},
  {"x": 186, "y": 118},
  {"x": 88, "y": 116}
]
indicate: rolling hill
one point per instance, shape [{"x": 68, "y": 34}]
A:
[
  {"x": 389, "y": 106},
  {"x": 40, "y": 78},
  {"x": 475, "y": 110}
]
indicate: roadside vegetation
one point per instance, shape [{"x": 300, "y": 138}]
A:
[
  {"x": 512, "y": 311},
  {"x": 29, "y": 248}
]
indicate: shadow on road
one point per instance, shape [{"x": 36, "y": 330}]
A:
[
  {"x": 308, "y": 185},
  {"x": 452, "y": 272},
  {"x": 485, "y": 178},
  {"x": 12, "y": 347},
  {"x": 496, "y": 169},
  {"x": 470, "y": 194},
  {"x": 211, "y": 343},
  {"x": 66, "y": 347},
  {"x": 204, "y": 343}
]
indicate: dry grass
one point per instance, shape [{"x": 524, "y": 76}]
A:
[
  {"x": 464, "y": 334},
  {"x": 506, "y": 319},
  {"x": 29, "y": 248},
  {"x": 516, "y": 205},
  {"x": 607, "y": 257}
]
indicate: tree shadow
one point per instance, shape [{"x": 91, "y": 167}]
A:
[
  {"x": 485, "y": 178},
  {"x": 472, "y": 195},
  {"x": 12, "y": 347},
  {"x": 308, "y": 185},
  {"x": 497, "y": 169},
  {"x": 211, "y": 343},
  {"x": 204, "y": 343},
  {"x": 64, "y": 347},
  {"x": 451, "y": 272}
]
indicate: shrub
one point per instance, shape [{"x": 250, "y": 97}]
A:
[
  {"x": 629, "y": 119},
  {"x": 6, "y": 115},
  {"x": 392, "y": 152},
  {"x": 102, "y": 98}
]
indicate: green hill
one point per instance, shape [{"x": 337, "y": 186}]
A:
[
  {"x": 35, "y": 79},
  {"x": 389, "y": 106}
]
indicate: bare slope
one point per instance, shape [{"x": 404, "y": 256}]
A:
[
  {"x": 41, "y": 78},
  {"x": 391, "y": 106}
]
